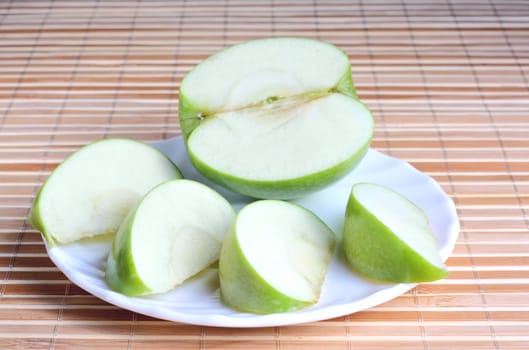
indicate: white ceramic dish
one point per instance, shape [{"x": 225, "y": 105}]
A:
[{"x": 197, "y": 301}]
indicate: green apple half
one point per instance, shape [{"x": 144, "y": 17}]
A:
[
  {"x": 274, "y": 118},
  {"x": 388, "y": 238},
  {"x": 175, "y": 232},
  {"x": 91, "y": 191},
  {"x": 274, "y": 258}
]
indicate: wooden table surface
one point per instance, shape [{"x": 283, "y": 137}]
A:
[{"x": 447, "y": 82}]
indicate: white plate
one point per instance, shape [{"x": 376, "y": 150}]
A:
[{"x": 197, "y": 301}]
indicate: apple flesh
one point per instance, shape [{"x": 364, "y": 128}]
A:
[
  {"x": 274, "y": 258},
  {"x": 386, "y": 237},
  {"x": 175, "y": 232},
  {"x": 91, "y": 191},
  {"x": 274, "y": 118}
]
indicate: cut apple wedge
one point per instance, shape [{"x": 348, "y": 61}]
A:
[
  {"x": 274, "y": 118},
  {"x": 274, "y": 258},
  {"x": 175, "y": 232},
  {"x": 91, "y": 191},
  {"x": 388, "y": 238}
]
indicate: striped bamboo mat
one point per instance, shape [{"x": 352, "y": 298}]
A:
[{"x": 447, "y": 81}]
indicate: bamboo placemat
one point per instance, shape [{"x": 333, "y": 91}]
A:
[{"x": 446, "y": 80}]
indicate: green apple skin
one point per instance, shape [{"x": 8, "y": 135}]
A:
[
  {"x": 34, "y": 218},
  {"x": 121, "y": 274},
  {"x": 35, "y": 221},
  {"x": 242, "y": 288},
  {"x": 284, "y": 189},
  {"x": 190, "y": 114},
  {"x": 382, "y": 255}
]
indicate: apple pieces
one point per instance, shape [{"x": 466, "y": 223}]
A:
[
  {"x": 91, "y": 191},
  {"x": 274, "y": 258},
  {"x": 388, "y": 238},
  {"x": 175, "y": 232},
  {"x": 274, "y": 118}
]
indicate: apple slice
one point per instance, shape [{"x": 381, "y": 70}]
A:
[
  {"x": 388, "y": 238},
  {"x": 175, "y": 232},
  {"x": 91, "y": 191},
  {"x": 274, "y": 258},
  {"x": 274, "y": 118}
]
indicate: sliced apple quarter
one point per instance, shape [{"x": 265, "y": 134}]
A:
[
  {"x": 175, "y": 232},
  {"x": 274, "y": 258},
  {"x": 91, "y": 191},
  {"x": 274, "y": 118},
  {"x": 388, "y": 238}
]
